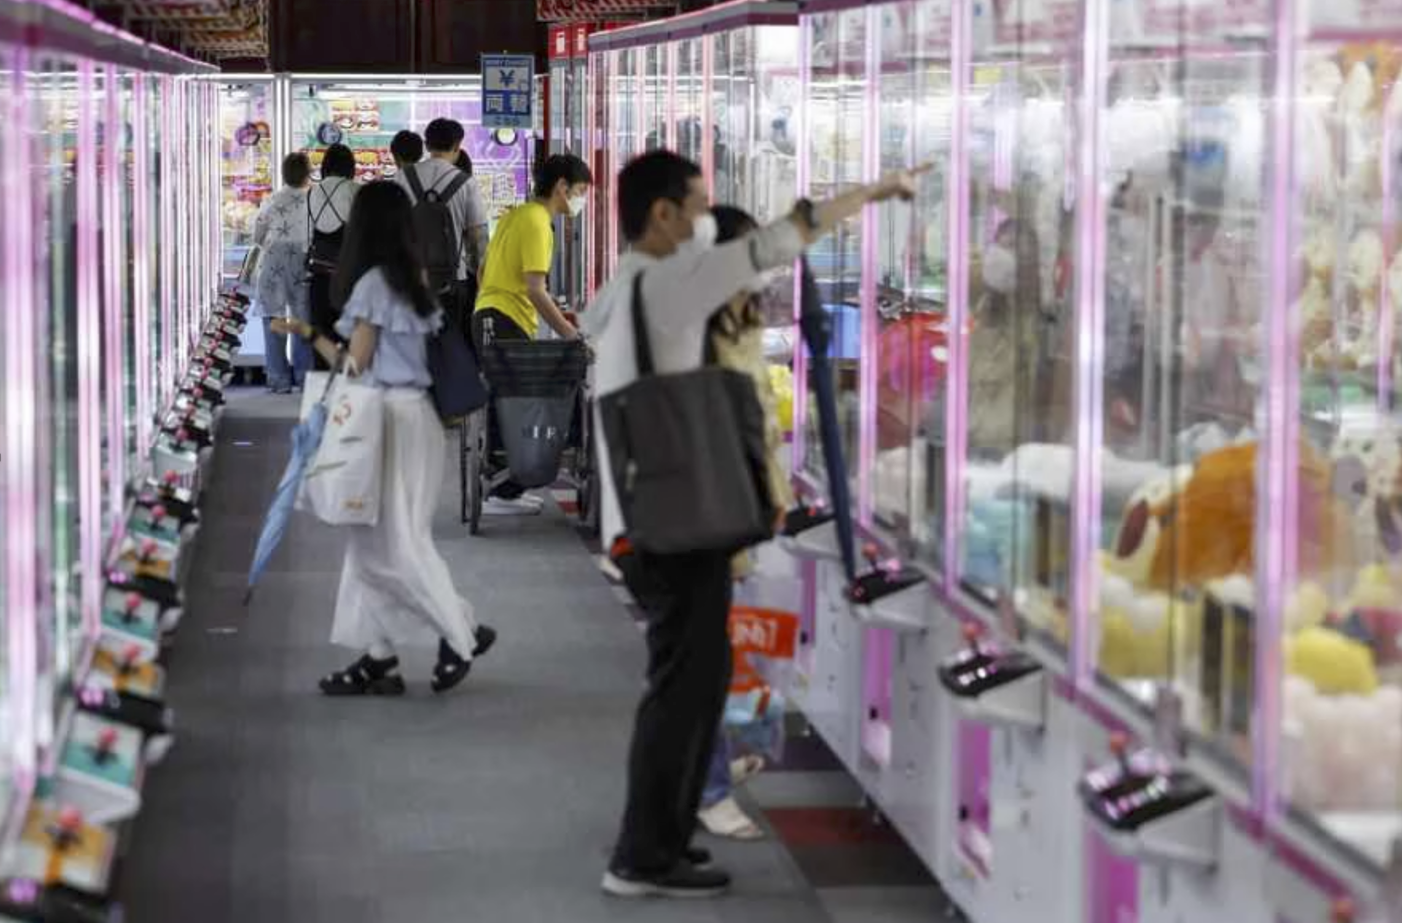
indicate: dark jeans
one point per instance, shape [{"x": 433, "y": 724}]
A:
[
  {"x": 323, "y": 315},
  {"x": 491, "y": 323},
  {"x": 687, "y": 601}
]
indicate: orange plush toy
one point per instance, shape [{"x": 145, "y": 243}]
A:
[{"x": 1206, "y": 530}]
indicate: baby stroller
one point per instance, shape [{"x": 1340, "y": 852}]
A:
[{"x": 540, "y": 409}]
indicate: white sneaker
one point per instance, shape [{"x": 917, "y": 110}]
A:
[
  {"x": 727, "y": 819},
  {"x": 521, "y": 506},
  {"x": 534, "y": 499}
]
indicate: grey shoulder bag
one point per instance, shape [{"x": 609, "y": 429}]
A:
[{"x": 687, "y": 454}]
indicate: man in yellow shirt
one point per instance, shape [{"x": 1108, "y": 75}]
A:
[{"x": 514, "y": 295}]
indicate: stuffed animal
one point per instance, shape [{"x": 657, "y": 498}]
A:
[
  {"x": 1367, "y": 480},
  {"x": 1333, "y": 662},
  {"x": 1342, "y": 751},
  {"x": 1186, "y": 531}
]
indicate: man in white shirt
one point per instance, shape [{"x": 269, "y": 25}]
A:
[
  {"x": 666, "y": 218},
  {"x": 443, "y": 139}
]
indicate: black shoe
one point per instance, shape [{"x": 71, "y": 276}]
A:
[
  {"x": 452, "y": 668},
  {"x": 486, "y": 637},
  {"x": 698, "y": 857},
  {"x": 367, "y": 676},
  {"x": 684, "y": 880}
]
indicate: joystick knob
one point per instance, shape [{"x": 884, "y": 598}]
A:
[
  {"x": 871, "y": 552},
  {"x": 170, "y": 478},
  {"x": 1119, "y": 748},
  {"x": 107, "y": 740},
  {"x": 1342, "y": 911},
  {"x": 158, "y": 512},
  {"x": 130, "y": 657},
  {"x": 68, "y": 828},
  {"x": 148, "y": 549},
  {"x": 972, "y": 631}
]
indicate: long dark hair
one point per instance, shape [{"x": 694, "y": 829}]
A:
[{"x": 380, "y": 235}]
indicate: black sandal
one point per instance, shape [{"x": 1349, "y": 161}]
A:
[
  {"x": 452, "y": 668},
  {"x": 367, "y": 676}
]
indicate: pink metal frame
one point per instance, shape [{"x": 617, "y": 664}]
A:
[
  {"x": 20, "y": 457},
  {"x": 957, "y": 281},
  {"x": 113, "y": 183},
  {"x": 1090, "y": 342},
  {"x": 90, "y": 408},
  {"x": 144, "y": 288},
  {"x": 1278, "y": 458}
]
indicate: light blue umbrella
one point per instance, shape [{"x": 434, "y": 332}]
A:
[{"x": 306, "y": 438}]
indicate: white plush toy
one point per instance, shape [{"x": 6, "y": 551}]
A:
[{"x": 1342, "y": 752}]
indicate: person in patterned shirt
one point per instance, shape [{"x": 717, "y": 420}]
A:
[{"x": 281, "y": 291}]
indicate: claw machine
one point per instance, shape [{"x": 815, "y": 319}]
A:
[
  {"x": 365, "y": 112},
  {"x": 1328, "y": 670}
]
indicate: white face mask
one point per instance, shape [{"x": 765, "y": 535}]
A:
[
  {"x": 577, "y": 204},
  {"x": 999, "y": 269},
  {"x": 703, "y": 233}
]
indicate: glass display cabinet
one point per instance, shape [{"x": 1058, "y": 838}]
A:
[
  {"x": 1334, "y": 773},
  {"x": 831, "y": 147},
  {"x": 249, "y": 159},
  {"x": 366, "y": 112}
]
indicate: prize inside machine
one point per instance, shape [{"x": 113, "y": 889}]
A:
[
  {"x": 248, "y": 171},
  {"x": 366, "y": 116},
  {"x": 1341, "y": 702}
]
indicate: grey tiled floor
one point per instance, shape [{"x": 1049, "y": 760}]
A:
[{"x": 496, "y": 803}]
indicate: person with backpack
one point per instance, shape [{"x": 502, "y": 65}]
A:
[
  {"x": 514, "y": 296},
  {"x": 328, "y": 209},
  {"x": 449, "y": 220},
  {"x": 407, "y": 149},
  {"x": 395, "y": 586},
  {"x": 679, "y": 275}
]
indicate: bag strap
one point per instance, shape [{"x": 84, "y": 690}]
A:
[
  {"x": 416, "y": 187},
  {"x": 452, "y": 188},
  {"x": 327, "y": 203},
  {"x": 642, "y": 349}
]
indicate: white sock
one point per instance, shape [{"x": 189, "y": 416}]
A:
[{"x": 380, "y": 650}]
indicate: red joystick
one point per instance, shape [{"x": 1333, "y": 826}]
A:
[
  {"x": 133, "y": 602},
  {"x": 107, "y": 740},
  {"x": 129, "y": 658},
  {"x": 182, "y": 435},
  {"x": 1119, "y": 748},
  {"x": 148, "y": 549},
  {"x": 1342, "y": 911},
  {"x": 170, "y": 478},
  {"x": 972, "y": 631},
  {"x": 158, "y": 513},
  {"x": 871, "y": 552},
  {"x": 70, "y": 822}
]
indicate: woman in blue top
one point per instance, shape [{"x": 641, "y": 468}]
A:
[{"x": 395, "y": 587}]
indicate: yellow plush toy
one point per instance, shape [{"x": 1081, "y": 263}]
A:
[
  {"x": 1335, "y": 664},
  {"x": 781, "y": 380}
]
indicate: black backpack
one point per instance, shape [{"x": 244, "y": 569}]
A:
[{"x": 440, "y": 240}]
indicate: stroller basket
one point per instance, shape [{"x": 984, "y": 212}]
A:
[{"x": 534, "y": 368}]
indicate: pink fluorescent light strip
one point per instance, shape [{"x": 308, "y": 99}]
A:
[
  {"x": 1090, "y": 344},
  {"x": 869, "y": 323},
  {"x": 20, "y": 425},
  {"x": 804, "y": 149},
  {"x": 141, "y": 248},
  {"x": 167, "y": 280},
  {"x": 1386, "y": 321},
  {"x": 957, "y": 276},
  {"x": 1277, "y": 474},
  {"x": 89, "y": 360},
  {"x": 113, "y": 274}
]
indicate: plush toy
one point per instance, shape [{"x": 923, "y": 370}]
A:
[
  {"x": 1307, "y": 607},
  {"x": 1334, "y": 663},
  {"x": 1367, "y": 480},
  {"x": 1342, "y": 751},
  {"x": 1173, "y": 537}
]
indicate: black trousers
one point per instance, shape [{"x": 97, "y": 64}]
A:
[
  {"x": 493, "y": 323},
  {"x": 323, "y": 315},
  {"x": 687, "y": 601}
]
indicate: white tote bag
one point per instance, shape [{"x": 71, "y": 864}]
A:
[{"x": 342, "y": 484}]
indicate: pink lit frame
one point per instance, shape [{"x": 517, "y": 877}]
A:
[{"x": 17, "y": 320}]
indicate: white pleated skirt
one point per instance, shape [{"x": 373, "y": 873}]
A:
[{"x": 395, "y": 586}]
